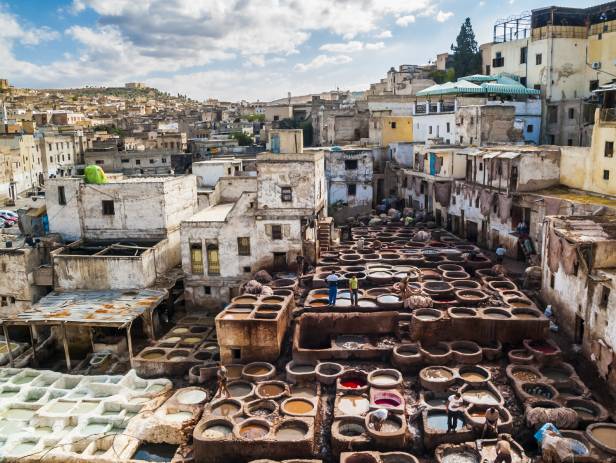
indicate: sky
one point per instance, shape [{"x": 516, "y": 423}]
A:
[{"x": 233, "y": 49}]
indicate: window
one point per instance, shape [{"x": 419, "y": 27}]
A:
[
  {"x": 606, "y": 175},
  {"x": 108, "y": 207},
  {"x": 213, "y": 262},
  {"x": 50, "y": 146},
  {"x": 523, "y": 81},
  {"x": 499, "y": 61},
  {"x": 276, "y": 118},
  {"x": 51, "y": 159},
  {"x": 351, "y": 189},
  {"x": 523, "y": 54},
  {"x": 99, "y": 162},
  {"x": 593, "y": 85},
  {"x": 350, "y": 164},
  {"x": 138, "y": 162},
  {"x": 538, "y": 59},
  {"x": 569, "y": 141},
  {"x": 393, "y": 125},
  {"x": 163, "y": 160},
  {"x": 151, "y": 161},
  {"x": 207, "y": 290},
  {"x": 430, "y": 130},
  {"x": 61, "y": 196},
  {"x": 609, "y": 149},
  {"x": 125, "y": 161},
  {"x": 246, "y": 269},
  {"x": 552, "y": 280},
  {"x": 571, "y": 113},
  {"x": 530, "y": 128},
  {"x": 448, "y": 127},
  {"x": 552, "y": 114},
  {"x": 276, "y": 232},
  {"x": 196, "y": 261},
  {"x": 243, "y": 246},
  {"x": 481, "y": 166},
  {"x": 286, "y": 194},
  {"x": 599, "y": 36},
  {"x": 605, "y": 296}
]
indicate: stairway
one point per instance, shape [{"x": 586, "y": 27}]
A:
[{"x": 324, "y": 234}]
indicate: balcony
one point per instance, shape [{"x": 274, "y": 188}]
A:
[{"x": 608, "y": 115}]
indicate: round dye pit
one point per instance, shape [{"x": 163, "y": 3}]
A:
[
  {"x": 262, "y": 408},
  {"x": 291, "y": 431},
  {"x": 226, "y": 408},
  {"x": 351, "y": 429},
  {"x": 543, "y": 347},
  {"x": 473, "y": 376},
  {"x": 216, "y": 431},
  {"x": 480, "y": 396},
  {"x": 460, "y": 457},
  {"x": 245, "y": 300},
  {"x": 178, "y": 417},
  {"x": 191, "y": 397},
  {"x": 542, "y": 391},
  {"x": 353, "y": 383},
  {"x": 257, "y": 369},
  {"x": 498, "y": 314},
  {"x": 437, "y": 374},
  {"x": 240, "y": 389},
  {"x": 361, "y": 458},
  {"x": 384, "y": 378},
  {"x": 180, "y": 331},
  {"x": 604, "y": 435},
  {"x": 353, "y": 405},
  {"x": 253, "y": 430},
  {"x": 297, "y": 406},
  {"x": 176, "y": 355},
  {"x": 437, "y": 420},
  {"x": 153, "y": 354},
  {"x": 525, "y": 375},
  {"x": 556, "y": 374},
  {"x": 270, "y": 390}
]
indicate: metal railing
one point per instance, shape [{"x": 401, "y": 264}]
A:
[{"x": 608, "y": 115}]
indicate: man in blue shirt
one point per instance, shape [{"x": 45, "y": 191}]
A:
[
  {"x": 500, "y": 253},
  {"x": 332, "y": 284}
]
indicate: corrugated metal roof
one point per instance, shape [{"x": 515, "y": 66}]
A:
[
  {"x": 509, "y": 155},
  {"x": 509, "y": 89},
  {"x": 491, "y": 154}
]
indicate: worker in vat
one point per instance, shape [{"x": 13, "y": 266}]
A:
[
  {"x": 455, "y": 408},
  {"x": 490, "y": 427},
  {"x": 332, "y": 284},
  {"x": 378, "y": 418},
  {"x": 223, "y": 391},
  {"x": 503, "y": 450},
  {"x": 354, "y": 289}
]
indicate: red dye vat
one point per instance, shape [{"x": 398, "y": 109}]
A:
[
  {"x": 352, "y": 383},
  {"x": 545, "y": 348},
  {"x": 387, "y": 402}
]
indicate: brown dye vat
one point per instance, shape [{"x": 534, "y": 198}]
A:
[
  {"x": 526, "y": 376},
  {"x": 257, "y": 370},
  {"x": 472, "y": 376},
  {"x": 318, "y": 303},
  {"x": 291, "y": 431},
  {"x": 226, "y": 409},
  {"x": 253, "y": 431},
  {"x": 272, "y": 300},
  {"x": 605, "y": 435},
  {"x": 390, "y": 426},
  {"x": 234, "y": 371},
  {"x": 497, "y": 313},
  {"x": 436, "y": 350},
  {"x": 245, "y": 300},
  {"x": 178, "y": 355},
  {"x": 270, "y": 390},
  {"x": 298, "y": 407}
]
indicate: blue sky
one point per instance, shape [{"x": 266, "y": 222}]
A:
[{"x": 233, "y": 49}]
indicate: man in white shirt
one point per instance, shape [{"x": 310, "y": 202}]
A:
[
  {"x": 332, "y": 284},
  {"x": 455, "y": 407}
]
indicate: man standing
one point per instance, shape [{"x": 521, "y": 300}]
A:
[
  {"x": 222, "y": 391},
  {"x": 354, "y": 288},
  {"x": 455, "y": 403},
  {"x": 332, "y": 283},
  {"x": 500, "y": 253}
]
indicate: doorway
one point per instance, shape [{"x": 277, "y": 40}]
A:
[
  {"x": 579, "y": 330},
  {"x": 280, "y": 261}
]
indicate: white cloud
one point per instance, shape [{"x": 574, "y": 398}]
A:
[
  {"x": 348, "y": 47},
  {"x": 375, "y": 46},
  {"x": 351, "y": 47},
  {"x": 322, "y": 60},
  {"x": 443, "y": 16},
  {"x": 11, "y": 30},
  {"x": 404, "y": 21},
  {"x": 384, "y": 35}
]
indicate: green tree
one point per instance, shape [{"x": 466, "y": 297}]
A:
[
  {"x": 466, "y": 56},
  {"x": 440, "y": 77},
  {"x": 242, "y": 138}
]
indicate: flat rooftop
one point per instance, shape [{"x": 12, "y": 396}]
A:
[
  {"x": 113, "y": 308},
  {"x": 586, "y": 229},
  {"x": 577, "y": 196},
  {"x": 217, "y": 213}
]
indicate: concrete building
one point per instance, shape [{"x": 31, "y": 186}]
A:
[
  {"x": 149, "y": 162},
  {"x": 25, "y": 275},
  {"x": 125, "y": 233},
  {"x": 255, "y": 223},
  {"x": 349, "y": 171},
  {"x": 579, "y": 281},
  {"x": 385, "y": 129},
  {"x": 209, "y": 172},
  {"x": 23, "y": 166},
  {"x": 278, "y": 112},
  {"x": 479, "y": 125},
  {"x": 564, "y": 52},
  {"x": 172, "y": 141},
  {"x": 59, "y": 154}
]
